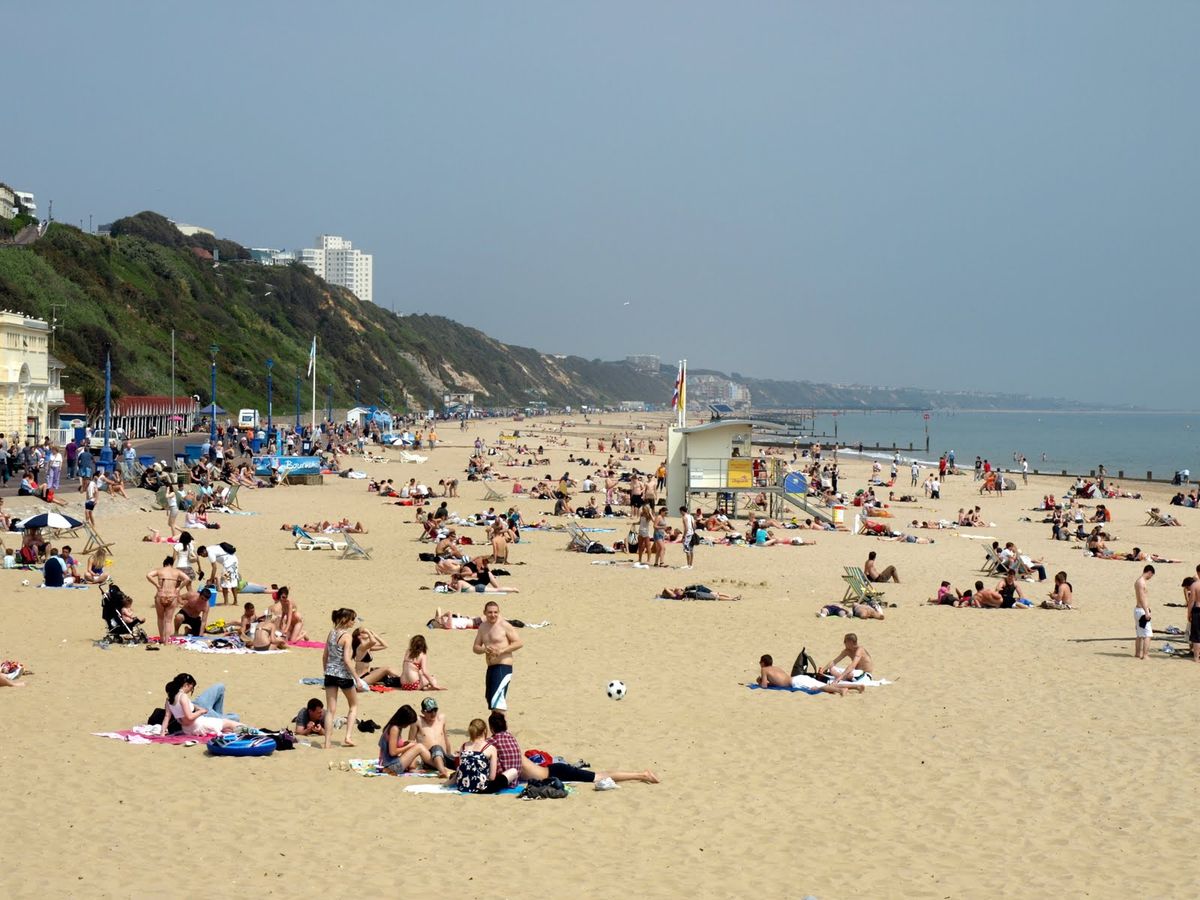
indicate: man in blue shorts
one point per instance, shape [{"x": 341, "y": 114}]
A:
[{"x": 498, "y": 640}]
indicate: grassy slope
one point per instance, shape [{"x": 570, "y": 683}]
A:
[{"x": 133, "y": 293}]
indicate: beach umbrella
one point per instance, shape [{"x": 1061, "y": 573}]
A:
[{"x": 55, "y": 521}]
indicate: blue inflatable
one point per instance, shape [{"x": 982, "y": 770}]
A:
[{"x": 236, "y": 745}]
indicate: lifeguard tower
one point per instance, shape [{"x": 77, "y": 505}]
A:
[{"x": 717, "y": 457}]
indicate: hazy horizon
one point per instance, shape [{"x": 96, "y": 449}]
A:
[{"x": 943, "y": 196}]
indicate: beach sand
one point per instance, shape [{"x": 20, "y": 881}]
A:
[{"x": 1019, "y": 753}]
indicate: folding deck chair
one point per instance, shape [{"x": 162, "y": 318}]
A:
[
  {"x": 991, "y": 562},
  {"x": 353, "y": 549},
  {"x": 859, "y": 588},
  {"x": 490, "y": 493},
  {"x": 95, "y": 542},
  {"x": 306, "y": 541},
  {"x": 579, "y": 539}
]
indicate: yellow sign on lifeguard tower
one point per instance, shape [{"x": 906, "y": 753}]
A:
[{"x": 740, "y": 474}]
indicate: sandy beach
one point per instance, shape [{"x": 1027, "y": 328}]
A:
[{"x": 1020, "y": 753}]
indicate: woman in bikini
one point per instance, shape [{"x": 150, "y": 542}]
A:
[
  {"x": 168, "y": 582},
  {"x": 413, "y": 676},
  {"x": 362, "y": 642}
]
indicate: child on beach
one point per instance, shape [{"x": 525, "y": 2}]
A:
[{"x": 413, "y": 676}]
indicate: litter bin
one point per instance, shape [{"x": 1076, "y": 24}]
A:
[
  {"x": 256, "y": 446},
  {"x": 839, "y": 514}
]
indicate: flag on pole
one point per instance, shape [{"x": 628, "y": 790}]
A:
[
  {"x": 678, "y": 395},
  {"x": 312, "y": 356}
]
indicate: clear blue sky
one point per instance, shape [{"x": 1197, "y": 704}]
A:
[{"x": 997, "y": 196}]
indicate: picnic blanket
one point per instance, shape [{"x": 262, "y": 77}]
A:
[
  {"x": 151, "y": 734},
  {"x": 369, "y": 768}
]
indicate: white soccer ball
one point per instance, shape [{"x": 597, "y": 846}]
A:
[{"x": 616, "y": 690}]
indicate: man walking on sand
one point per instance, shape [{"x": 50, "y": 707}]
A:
[
  {"x": 498, "y": 640},
  {"x": 1143, "y": 628}
]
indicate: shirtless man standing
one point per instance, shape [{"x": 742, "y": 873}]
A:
[
  {"x": 430, "y": 731},
  {"x": 1143, "y": 628},
  {"x": 498, "y": 640},
  {"x": 168, "y": 582},
  {"x": 859, "y": 666},
  {"x": 1191, "y": 595}
]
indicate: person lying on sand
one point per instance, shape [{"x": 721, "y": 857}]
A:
[
  {"x": 770, "y": 675},
  {"x": 452, "y": 621},
  {"x": 695, "y": 592},
  {"x": 1137, "y": 554},
  {"x": 908, "y": 538}
]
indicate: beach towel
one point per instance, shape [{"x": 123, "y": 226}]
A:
[
  {"x": 204, "y": 645},
  {"x": 451, "y": 791},
  {"x": 790, "y": 690},
  {"x": 314, "y": 645}
]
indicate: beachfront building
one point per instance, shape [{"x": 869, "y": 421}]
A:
[
  {"x": 269, "y": 256},
  {"x": 644, "y": 362},
  {"x": 706, "y": 389},
  {"x": 8, "y": 202},
  {"x": 25, "y": 201},
  {"x": 30, "y": 377},
  {"x": 336, "y": 260},
  {"x": 141, "y": 417},
  {"x": 191, "y": 230}
]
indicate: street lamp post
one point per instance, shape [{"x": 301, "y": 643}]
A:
[
  {"x": 212, "y": 393},
  {"x": 270, "y": 363},
  {"x": 329, "y": 402},
  {"x": 297, "y": 403},
  {"x": 106, "y": 453},
  {"x": 357, "y": 397}
]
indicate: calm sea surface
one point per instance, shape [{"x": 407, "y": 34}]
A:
[{"x": 1052, "y": 441}]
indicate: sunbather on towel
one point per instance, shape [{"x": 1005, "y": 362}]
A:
[
  {"x": 859, "y": 665},
  {"x": 770, "y": 675}
]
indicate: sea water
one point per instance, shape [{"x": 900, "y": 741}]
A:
[{"x": 1136, "y": 442}]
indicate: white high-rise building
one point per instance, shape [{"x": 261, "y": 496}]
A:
[{"x": 336, "y": 260}]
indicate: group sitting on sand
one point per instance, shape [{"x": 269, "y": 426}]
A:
[{"x": 488, "y": 762}]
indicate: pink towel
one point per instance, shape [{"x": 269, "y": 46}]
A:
[{"x": 315, "y": 645}]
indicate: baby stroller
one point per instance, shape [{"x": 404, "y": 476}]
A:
[{"x": 119, "y": 631}]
